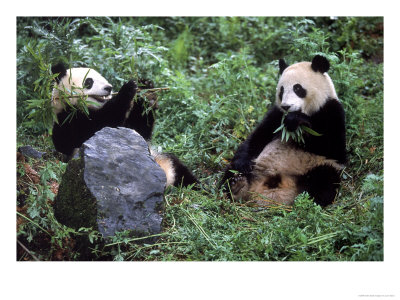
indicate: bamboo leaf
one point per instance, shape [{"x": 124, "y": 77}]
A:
[
  {"x": 279, "y": 128},
  {"x": 310, "y": 131},
  {"x": 283, "y": 133},
  {"x": 288, "y": 134}
]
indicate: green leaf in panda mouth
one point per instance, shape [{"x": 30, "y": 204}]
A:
[{"x": 297, "y": 135}]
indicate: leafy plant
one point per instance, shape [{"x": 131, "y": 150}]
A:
[{"x": 222, "y": 74}]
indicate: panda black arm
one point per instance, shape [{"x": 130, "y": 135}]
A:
[
  {"x": 113, "y": 112},
  {"x": 142, "y": 115},
  {"x": 72, "y": 129},
  {"x": 62, "y": 136},
  {"x": 255, "y": 143},
  {"x": 262, "y": 135},
  {"x": 141, "y": 120},
  {"x": 330, "y": 122}
]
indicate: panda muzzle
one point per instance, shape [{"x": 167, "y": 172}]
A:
[{"x": 101, "y": 98}]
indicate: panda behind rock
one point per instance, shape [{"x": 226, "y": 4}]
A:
[
  {"x": 272, "y": 171},
  {"x": 74, "y": 127}
]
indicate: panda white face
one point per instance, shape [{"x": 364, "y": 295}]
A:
[
  {"x": 82, "y": 81},
  {"x": 305, "y": 88}
]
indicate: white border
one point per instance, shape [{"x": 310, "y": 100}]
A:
[{"x": 230, "y": 280}]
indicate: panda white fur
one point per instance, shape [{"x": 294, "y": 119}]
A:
[
  {"x": 74, "y": 127},
  {"x": 273, "y": 171}
]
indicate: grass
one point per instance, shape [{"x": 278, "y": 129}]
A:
[{"x": 222, "y": 74}]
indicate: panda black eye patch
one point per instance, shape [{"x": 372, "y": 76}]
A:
[
  {"x": 299, "y": 90},
  {"x": 88, "y": 83},
  {"x": 281, "y": 93}
]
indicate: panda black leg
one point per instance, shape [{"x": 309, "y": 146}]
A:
[
  {"x": 237, "y": 183},
  {"x": 234, "y": 181},
  {"x": 184, "y": 176},
  {"x": 177, "y": 173},
  {"x": 321, "y": 183}
]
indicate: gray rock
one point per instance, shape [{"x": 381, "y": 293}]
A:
[
  {"x": 114, "y": 185},
  {"x": 29, "y": 151}
]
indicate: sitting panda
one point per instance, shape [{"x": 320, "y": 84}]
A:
[
  {"x": 74, "y": 127},
  {"x": 268, "y": 170}
]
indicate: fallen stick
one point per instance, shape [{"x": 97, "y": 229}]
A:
[{"x": 27, "y": 251}]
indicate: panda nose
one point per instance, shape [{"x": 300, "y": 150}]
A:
[
  {"x": 108, "y": 88},
  {"x": 285, "y": 107}
]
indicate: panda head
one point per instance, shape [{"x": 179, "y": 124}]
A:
[
  {"x": 304, "y": 86},
  {"x": 76, "y": 82}
]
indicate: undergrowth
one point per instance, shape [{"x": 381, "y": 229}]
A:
[{"x": 222, "y": 74}]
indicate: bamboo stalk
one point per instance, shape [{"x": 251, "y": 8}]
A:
[
  {"x": 148, "y": 90},
  {"x": 138, "y": 89}
]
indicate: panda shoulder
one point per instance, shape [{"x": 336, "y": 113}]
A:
[{"x": 332, "y": 106}]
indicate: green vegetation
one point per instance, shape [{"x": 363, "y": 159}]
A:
[{"x": 222, "y": 74}]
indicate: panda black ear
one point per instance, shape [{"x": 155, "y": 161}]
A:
[
  {"x": 282, "y": 66},
  {"x": 320, "y": 64},
  {"x": 59, "y": 68}
]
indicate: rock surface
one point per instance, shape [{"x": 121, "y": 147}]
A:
[
  {"x": 29, "y": 151},
  {"x": 114, "y": 185}
]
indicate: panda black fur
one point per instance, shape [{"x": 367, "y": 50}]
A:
[
  {"x": 177, "y": 173},
  {"x": 270, "y": 170},
  {"x": 74, "y": 127}
]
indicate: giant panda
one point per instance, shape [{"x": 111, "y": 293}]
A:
[
  {"x": 268, "y": 170},
  {"x": 73, "y": 126}
]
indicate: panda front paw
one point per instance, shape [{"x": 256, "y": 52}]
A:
[
  {"x": 145, "y": 84},
  {"x": 149, "y": 96},
  {"x": 294, "y": 119},
  {"x": 128, "y": 90}
]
